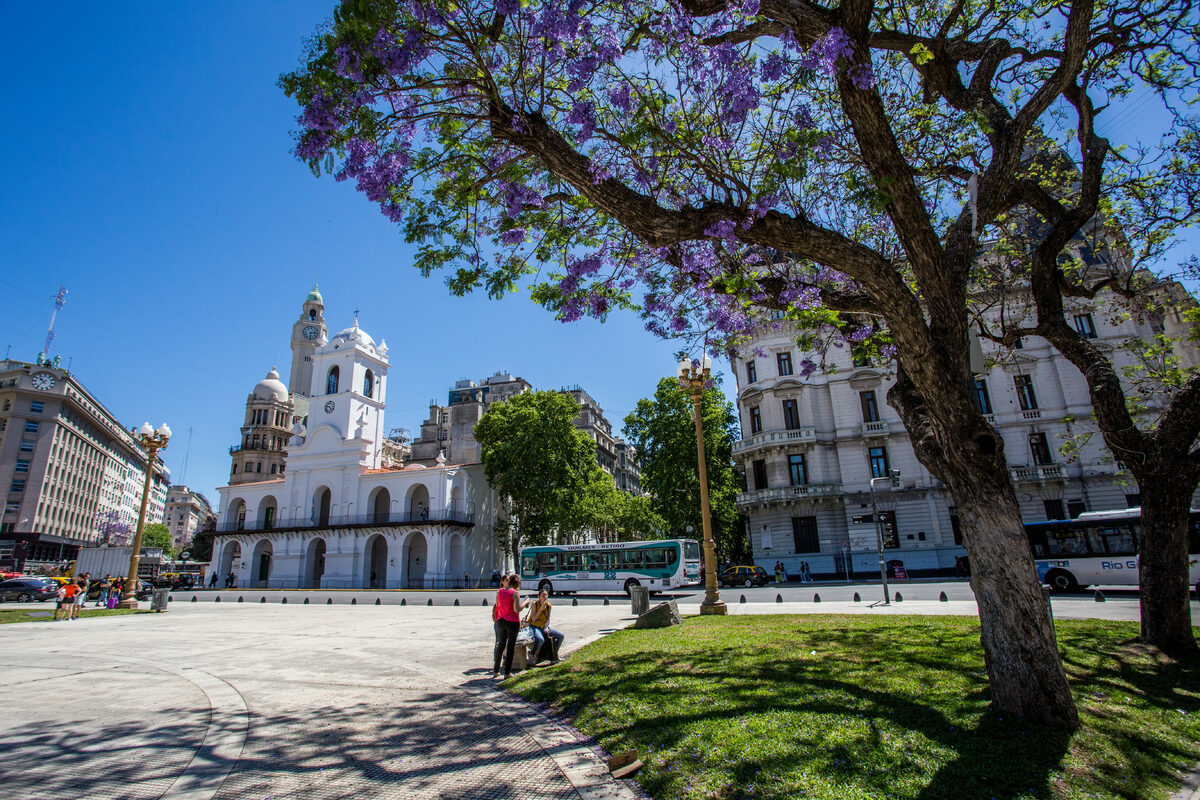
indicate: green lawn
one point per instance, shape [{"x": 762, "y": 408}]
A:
[
  {"x": 47, "y": 614},
  {"x": 844, "y": 707}
]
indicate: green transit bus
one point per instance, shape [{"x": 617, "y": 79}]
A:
[{"x": 612, "y": 567}]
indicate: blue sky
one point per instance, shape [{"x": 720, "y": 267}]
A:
[{"x": 148, "y": 169}]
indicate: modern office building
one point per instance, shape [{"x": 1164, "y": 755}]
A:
[
  {"x": 811, "y": 445},
  {"x": 67, "y": 466}
]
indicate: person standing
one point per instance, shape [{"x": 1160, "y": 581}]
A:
[
  {"x": 105, "y": 588},
  {"x": 539, "y": 625},
  {"x": 212, "y": 582},
  {"x": 80, "y": 598},
  {"x": 63, "y": 601},
  {"x": 508, "y": 617}
]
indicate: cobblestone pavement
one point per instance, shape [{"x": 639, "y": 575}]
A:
[{"x": 230, "y": 702}]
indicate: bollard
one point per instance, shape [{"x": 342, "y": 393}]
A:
[
  {"x": 742, "y": 599},
  {"x": 899, "y": 597},
  {"x": 305, "y": 600},
  {"x": 378, "y": 601},
  {"x": 193, "y": 598},
  {"x": 1099, "y": 597},
  {"x": 816, "y": 598},
  {"x": 430, "y": 602},
  {"x": 329, "y": 601},
  {"x": 217, "y": 599},
  {"x": 943, "y": 598},
  {"x": 284, "y": 600},
  {"x": 240, "y": 600},
  {"x": 574, "y": 601},
  {"x": 262, "y": 599},
  {"x": 778, "y": 598},
  {"x": 485, "y": 602},
  {"x": 857, "y": 599},
  {"x": 353, "y": 601},
  {"x": 170, "y": 598},
  {"x": 606, "y": 601},
  {"x": 456, "y": 601},
  {"x": 403, "y": 601}
]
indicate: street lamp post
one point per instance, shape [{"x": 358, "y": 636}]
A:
[
  {"x": 893, "y": 474},
  {"x": 151, "y": 441},
  {"x": 693, "y": 380}
]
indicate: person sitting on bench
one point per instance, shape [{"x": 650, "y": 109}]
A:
[{"x": 539, "y": 624}]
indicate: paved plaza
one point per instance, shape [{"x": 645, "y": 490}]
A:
[{"x": 260, "y": 700}]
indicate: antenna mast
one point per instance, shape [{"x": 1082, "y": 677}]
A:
[{"x": 59, "y": 301}]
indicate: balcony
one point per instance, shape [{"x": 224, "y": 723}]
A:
[
  {"x": 778, "y": 494},
  {"x": 463, "y": 518},
  {"x": 261, "y": 448},
  {"x": 878, "y": 427},
  {"x": 1032, "y": 413},
  {"x": 1041, "y": 472},
  {"x": 806, "y": 435}
]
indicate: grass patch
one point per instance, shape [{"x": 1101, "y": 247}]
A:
[
  {"x": 845, "y": 707},
  {"x": 38, "y": 615}
]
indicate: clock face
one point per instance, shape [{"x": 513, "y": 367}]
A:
[
  {"x": 329, "y": 406},
  {"x": 311, "y": 332},
  {"x": 43, "y": 381}
]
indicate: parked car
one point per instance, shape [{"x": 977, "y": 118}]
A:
[
  {"x": 745, "y": 576},
  {"x": 24, "y": 590}
]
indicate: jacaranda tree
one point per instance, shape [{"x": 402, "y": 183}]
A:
[{"x": 703, "y": 160}]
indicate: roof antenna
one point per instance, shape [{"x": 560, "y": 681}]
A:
[{"x": 59, "y": 301}]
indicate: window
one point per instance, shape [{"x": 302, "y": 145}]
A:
[
  {"x": 234, "y": 470},
  {"x": 796, "y": 470},
  {"x": 1041, "y": 451},
  {"x": 791, "y": 415},
  {"x": 751, "y": 371},
  {"x": 331, "y": 382},
  {"x": 1019, "y": 343},
  {"x": 760, "y": 474},
  {"x": 1025, "y": 395},
  {"x": 12, "y": 507},
  {"x": 1133, "y": 500},
  {"x": 36, "y": 406},
  {"x": 1075, "y": 508},
  {"x": 18, "y": 485},
  {"x": 259, "y": 467},
  {"x": 879, "y": 462},
  {"x": 272, "y": 469},
  {"x": 269, "y": 517},
  {"x": 870, "y": 408},
  {"x": 368, "y": 383},
  {"x": 755, "y": 420},
  {"x": 22, "y": 465},
  {"x": 32, "y": 426},
  {"x": 804, "y": 535},
  {"x": 1085, "y": 326},
  {"x": 785, "y": 363},
  {"x": 1054, "y": 509},
  {"x": 26, "y": 446},
  {"x": 859, "y": 358},
  {"x": 982, "y": 399}
]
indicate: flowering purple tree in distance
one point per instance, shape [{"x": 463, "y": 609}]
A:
[{"x": 702, "y": 161}]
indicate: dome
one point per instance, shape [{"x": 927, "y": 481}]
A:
[
  {"x": 314, "y": 296},
  {"x": 353, "y": 335},
  {"x": 271, "y": 388}
]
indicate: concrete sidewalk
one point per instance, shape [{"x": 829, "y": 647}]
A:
[{"x": 269, "y": 701}]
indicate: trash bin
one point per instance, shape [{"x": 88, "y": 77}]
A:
[
  {"x": 158, "y": 601},
  {"x": 639, "y": 597}
]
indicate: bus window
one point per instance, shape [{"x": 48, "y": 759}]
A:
[
  {"x": 610, "y": 561},
  {"x": 592, "y": 560},
  {"x": 632, "y": 559},
  {"x": 1067, "y": 542},
  {"x": 1116, "y": 540},
  {"x": 691, "y": 551},
  {"x": 547, "y": 562},
  {"x": 570, "y": 561},
  {"x": 528, "y": 567},
  {"x": 655, "y": 558},
  {"x": 672, "y": 555}
]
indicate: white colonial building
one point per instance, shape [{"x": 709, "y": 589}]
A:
[{"x": 344, "y": 516}]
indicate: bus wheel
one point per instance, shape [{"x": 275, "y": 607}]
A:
[
  {"x": 547, "y": 587},
  {"x": 629, "y": 584},
  {"x": 1061, "y": 581}
]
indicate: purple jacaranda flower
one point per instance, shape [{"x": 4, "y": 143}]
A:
[{"x": 513, "y": 237}]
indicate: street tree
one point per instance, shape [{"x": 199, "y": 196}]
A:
[
  {"x": 663, "y": 431},
  {"x": 158, "y": 535},
  {"x": 538, "y": 461},
  {"x": 722, "y": 157}
]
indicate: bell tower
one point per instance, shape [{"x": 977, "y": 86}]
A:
[{"x": 308, "y": 333}]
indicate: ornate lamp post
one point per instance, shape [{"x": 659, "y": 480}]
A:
[
  {"x": 890, "y": 478},
  {"x": 151, "y": 441},
  {"x": 693, "y": 379}
]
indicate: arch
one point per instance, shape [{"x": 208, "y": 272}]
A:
[
  {"x": 416, "y": 559},
  {"x": 381, "y": 504},
  {"x": 456, "y": 500},
  {"x": 417, "y": 503},
  {"x": 314, "y": 563},
  {"x": 261, "y": 562},
  {"x": 235, "y": 517},
  {"x": 456, "y": 556},
  {"x": 322, "y": 500},
  {"x": 231, "y": 558},
  {"x": 268, "y": 511},
  {"x": 312, "y": 313},
  {"x": 368, "y": 383},
  {"x": 331, "y": 380},
  {"x": 375, "y": 562}
]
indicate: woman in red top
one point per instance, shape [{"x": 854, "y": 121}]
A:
[{"x": 508, "y": 611}]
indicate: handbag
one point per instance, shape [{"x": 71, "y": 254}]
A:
[{"x": 525, "y": 635}]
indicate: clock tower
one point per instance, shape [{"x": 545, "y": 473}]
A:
[{"x": 308, "y": 334}]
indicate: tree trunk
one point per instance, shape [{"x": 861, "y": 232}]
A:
[
  {"x": 1163, "y": 561},
  {"x": 1024, "y": 669}
]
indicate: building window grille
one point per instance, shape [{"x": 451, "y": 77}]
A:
[
  {"x": 796, "y": 470},
  {"x": 785, "y": 363},
  {"x": 755, "y": 420},
  {"x": 879, "y": 462},
  {"x": 870, "y": 407},
  {"x": 1025, "y": 393}
]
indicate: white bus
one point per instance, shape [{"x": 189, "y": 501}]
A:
[
  {"x": 1098, "y": 548},
  {"x": 611, "y": 567}
]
